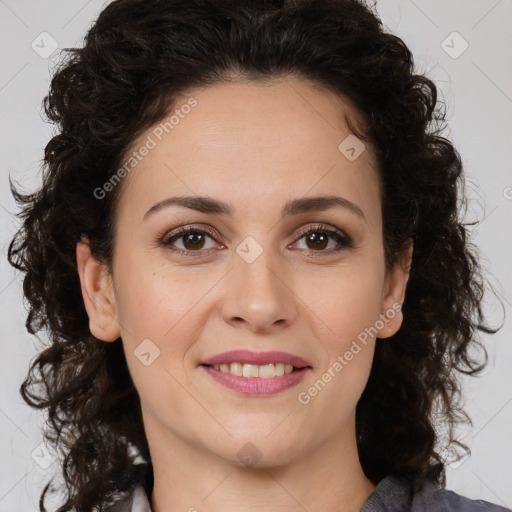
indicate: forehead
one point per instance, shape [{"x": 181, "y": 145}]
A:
[{"x": 262, "y": 140}]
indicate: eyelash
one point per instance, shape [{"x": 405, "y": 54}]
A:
[{"x": 344, "y": 240}]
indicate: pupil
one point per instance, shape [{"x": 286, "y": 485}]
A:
[
  {"x": 190, "y": 238},
  {"x": 318, "y": 239}
]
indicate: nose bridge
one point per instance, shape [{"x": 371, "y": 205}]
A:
[{"x": 257, "y": 292}]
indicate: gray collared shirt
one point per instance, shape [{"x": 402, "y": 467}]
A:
[{"x": 390, "y": 495}]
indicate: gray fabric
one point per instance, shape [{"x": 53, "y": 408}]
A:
[
  {"x": 394, "y": 495},
  {"x": 390, "y": 495}
]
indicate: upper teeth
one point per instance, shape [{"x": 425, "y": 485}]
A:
[{"x": 253, "y": 370}]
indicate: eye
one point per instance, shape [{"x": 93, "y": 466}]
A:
[
  {"x": 317, "y": 239},
  {"x": 192, "y": 238}
]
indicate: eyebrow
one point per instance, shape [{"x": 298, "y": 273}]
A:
[{"x": 294, "y": 207}]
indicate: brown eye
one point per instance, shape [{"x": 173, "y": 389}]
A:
[
  {"x": 192, "y": 240},
  {"x": 317, "y": 239}
]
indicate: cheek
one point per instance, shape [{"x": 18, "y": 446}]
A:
[
  {"x": 346, "y": 310},
  {"x": 348, "y": 302},
  {"x": 151, "y": 296},
  {"x": 160, "y": 319},
  {"x": 169, "y": 307}
]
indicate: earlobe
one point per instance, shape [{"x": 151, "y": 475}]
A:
[
  {"x": 394, "y": 294},
  {"x": 97, "y": 293}
]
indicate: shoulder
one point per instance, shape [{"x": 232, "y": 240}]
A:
[
  {"x": 445, "y": 500},
  {"x": 393, "y": 494}
]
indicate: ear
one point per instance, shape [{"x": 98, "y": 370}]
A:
[
  {"x": 394, "y": 294},
  {"x": 98, "y": 293}
]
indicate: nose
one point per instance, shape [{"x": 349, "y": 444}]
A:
[{"x": 259, "y": 295}]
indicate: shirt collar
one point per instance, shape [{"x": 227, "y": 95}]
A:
[
  {"x": 136, "y": 501},
  {"x": 389, "y": 492}
]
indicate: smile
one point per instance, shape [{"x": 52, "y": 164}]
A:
[
  {"x": 250, "y": 382},
  {"x": 265, "y": 371}
]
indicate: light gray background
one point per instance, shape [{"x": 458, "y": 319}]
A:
[{"x": 477, "y": 85}]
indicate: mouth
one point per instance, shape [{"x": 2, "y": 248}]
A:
[
  {"x": 256, "y": 373},
  {"x": 256, "y": 385},
  {"x": 264, "y": 371},
  {"x": 236, "y": 360}
]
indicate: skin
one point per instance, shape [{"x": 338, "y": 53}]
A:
[{"x": 254, "y": 147}]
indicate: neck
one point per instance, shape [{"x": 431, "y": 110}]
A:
[{"x": 328, "y": 478}]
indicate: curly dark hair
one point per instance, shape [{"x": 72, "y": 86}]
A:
[{"x": 137, "y": 58}]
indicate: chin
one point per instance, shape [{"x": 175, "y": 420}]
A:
[{"x": 258, "y": 451}]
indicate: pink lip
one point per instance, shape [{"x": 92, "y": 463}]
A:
[
  {"x": 258, "y": 358},
  {"x": 257, "y": 385}
]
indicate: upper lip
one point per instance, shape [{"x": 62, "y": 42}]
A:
[{"x": 257, "y": 358}]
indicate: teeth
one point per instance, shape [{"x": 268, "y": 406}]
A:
[{"x": 266, "y": 371}]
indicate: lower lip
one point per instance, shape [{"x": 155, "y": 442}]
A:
[{"x": 257, "y": 385}]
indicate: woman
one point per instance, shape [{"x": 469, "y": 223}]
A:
[{"x": 247, "y": 252}]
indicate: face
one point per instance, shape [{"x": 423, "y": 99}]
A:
[{"x": 311, "y": 284}]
